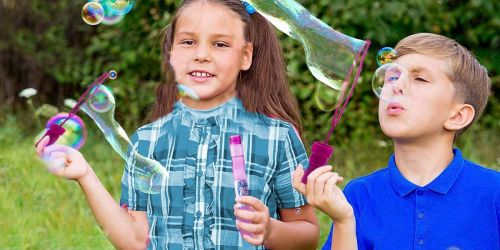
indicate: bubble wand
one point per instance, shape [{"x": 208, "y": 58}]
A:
[
  {"x": 56, "y": 130},
  {"x": 330, "y": 56}
]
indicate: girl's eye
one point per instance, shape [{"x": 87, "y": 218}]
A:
[
  {"x": 220, "y": 44},
  {"x": 187, "y": 42}
]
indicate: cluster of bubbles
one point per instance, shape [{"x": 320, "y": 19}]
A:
[
  {"x": 107, "y": 12},
  {"x": 329, "y": 53},
  {"x": 390, "y": 80},
  {"x": 75, "y": 134}
]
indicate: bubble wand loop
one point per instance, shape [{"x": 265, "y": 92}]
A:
[
  {"x": 56, "y": 130},
  {"x": 321, "y": 151}
]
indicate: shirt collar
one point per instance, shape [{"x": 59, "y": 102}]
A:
[{"x": 442, "y": 184}]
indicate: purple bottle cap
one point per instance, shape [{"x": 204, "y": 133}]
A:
[
  {"x": 320, "y": 154},
  {"x": 235, "y": 139}
]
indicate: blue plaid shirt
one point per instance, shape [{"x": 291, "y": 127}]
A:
[{"x": 194, "y": 208}]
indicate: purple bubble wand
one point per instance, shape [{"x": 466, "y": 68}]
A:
[
  {"x": 56, "y": 130},
  {"x": 321, "y": 152}
]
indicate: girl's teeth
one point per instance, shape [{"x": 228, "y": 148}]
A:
[{"x": 201, "y": 74}]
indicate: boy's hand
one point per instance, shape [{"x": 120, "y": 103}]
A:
[
  {"x": 62, "y": 161},
  {"x": 323, "y": 193},
  {"x": 261, "y": 222}
]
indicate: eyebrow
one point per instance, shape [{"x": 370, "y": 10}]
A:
[{"x": 189, "y": 33}]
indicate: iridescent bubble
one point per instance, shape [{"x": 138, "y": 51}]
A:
[
  {"x": 92, "y": 13},
  {"x": 118, "y": 7},
  {"x": 386, "y": 55},
  {"x": 113, "y": 75},
  {"x": 112, "y": 19},
  {"x": 148, "y": 174},
  {"x": 391, "y": 81},
  {"x": 186, "y": 91},
  {"x": 99, "y": 99},
  {"x": 75, "y": 134},
  {"x": 332, "y": 57}
]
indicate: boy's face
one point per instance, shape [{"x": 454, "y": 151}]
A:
[{"x": 421, "y": 113}]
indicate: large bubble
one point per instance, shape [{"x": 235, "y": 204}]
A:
[
  {"x": 332, "y": 57},
  {"x": 391, "y": 81},
  {"x": 148, "y": 173},
  {"x": 75, "y": 133}
]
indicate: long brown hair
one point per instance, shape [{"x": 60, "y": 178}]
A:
[{"x": 263, "y": 88}]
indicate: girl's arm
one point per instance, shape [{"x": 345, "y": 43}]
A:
[
  {"x": 295, "y": 230},
  {"x": 323, "y": 193},
  {"x": 126, "y": 230}
]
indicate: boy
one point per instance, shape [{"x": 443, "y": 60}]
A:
[{"x": 428, "y": 196}]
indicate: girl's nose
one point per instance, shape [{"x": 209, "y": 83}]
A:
[{"x": 202, "y": 54}]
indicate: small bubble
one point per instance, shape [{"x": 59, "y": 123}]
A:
[{"x": 113, "y": 75}]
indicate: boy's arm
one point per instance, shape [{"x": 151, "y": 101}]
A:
[
  {"x": 323, "y": 193},
  {"x": 125, "y": 229},
  {"x": 344, "y": 235}
]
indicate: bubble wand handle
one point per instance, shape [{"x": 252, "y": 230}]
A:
[{"x": 239, "y": 175}]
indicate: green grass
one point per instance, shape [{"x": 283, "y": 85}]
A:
[{"x": 40, "y": 211}]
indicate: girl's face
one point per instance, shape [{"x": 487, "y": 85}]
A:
[{"x": 208, "y": 52}]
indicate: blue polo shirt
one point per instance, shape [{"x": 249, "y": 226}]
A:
[{"x": 460, "y": 209}]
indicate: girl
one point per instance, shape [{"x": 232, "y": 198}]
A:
[{"x": 233, "y": 61}]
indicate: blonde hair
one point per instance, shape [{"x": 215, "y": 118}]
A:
[{"x": 469, "y": 77}]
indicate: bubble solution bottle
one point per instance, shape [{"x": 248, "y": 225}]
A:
[{"x": 240, "y": 178}]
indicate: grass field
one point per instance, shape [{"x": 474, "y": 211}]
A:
[{"x": 40, "y": 211}]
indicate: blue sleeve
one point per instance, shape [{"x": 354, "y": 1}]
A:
[
  {"x": 131, "y": 197},
  {"x": 292, "y": 153}
]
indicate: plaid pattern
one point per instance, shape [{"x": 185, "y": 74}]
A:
[{"x": 194, "y": 208}]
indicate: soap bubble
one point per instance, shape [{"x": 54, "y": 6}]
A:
[
  {"x": 186, "y": 91},
  {"x": 99, "y": 99},
  {"x": 92, "y": 13},
  {"x": 391, "y": 80},
  {"x": 118, "y": 7},
  {"x": 75, "y": 134},
  {"x": 386, "y": 55},
  {"x": 332, "y": 57},
  {"x": 148, "y": 174},
  {"x": 113, "y": 75}
]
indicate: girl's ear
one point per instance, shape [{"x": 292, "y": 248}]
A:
[
  {"x": 247, "y": 56},
  {"x": 461, "y": 116}
]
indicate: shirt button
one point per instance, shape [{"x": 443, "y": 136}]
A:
[
  {"x": 420, "y": 241},
  {"x": 198, "y": 214},
  {"x": 199, "y": 173},
  {"x": 419, "y": 192},
  {"x": 420, "y": 215}
]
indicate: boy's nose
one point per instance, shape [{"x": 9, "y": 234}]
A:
[{"x": 398, "y": 88}]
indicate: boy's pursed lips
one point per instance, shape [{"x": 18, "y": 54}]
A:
[{"x": 395, "y": 108}]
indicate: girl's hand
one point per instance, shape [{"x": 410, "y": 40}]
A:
[
  {"x": 261, "y": 221},
  {"x": 323, "y": 193},
  {"x": 63, "y": 161}
]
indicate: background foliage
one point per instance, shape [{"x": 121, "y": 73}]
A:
[{"x": 47, "y": 46}]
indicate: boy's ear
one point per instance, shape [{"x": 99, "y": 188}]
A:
[
  {"x": 247, "y": 56},
  {"x": 461, "y": 116}
]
